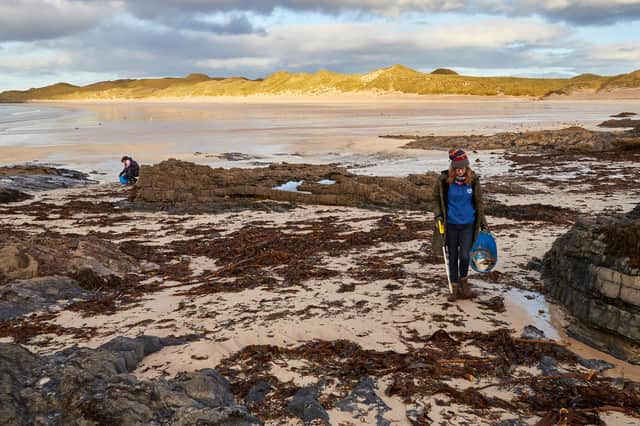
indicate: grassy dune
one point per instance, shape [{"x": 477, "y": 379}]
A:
[{"x": 398, "y": 79}]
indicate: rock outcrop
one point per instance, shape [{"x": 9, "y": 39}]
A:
[
  {"x": 26, "y": 178},
  {"x": 179, "y": 183},
  {"x": 571, "y": 139},
  {"x": 594, "y": 271},
  {"x": 22, "y": 297},
  {"x": 8, "y": 195},
  {"x": 25, "y": 257},
  {"x": 93, "y": 387}
]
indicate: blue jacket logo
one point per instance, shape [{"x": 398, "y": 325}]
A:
[{"x": 469, "y": 190}]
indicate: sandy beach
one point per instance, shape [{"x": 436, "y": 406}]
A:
[{"x": 340, "y": 275}]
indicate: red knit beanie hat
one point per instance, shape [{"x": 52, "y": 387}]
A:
[{"x": 459, "y": 158}]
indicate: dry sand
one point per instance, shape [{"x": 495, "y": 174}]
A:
[{"x": 377, "y": 314}]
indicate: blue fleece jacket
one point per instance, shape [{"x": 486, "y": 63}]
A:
[{"x": 460, "y": 210}]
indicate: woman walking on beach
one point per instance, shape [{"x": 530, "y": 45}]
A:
[{"x": 458, "y": 206}]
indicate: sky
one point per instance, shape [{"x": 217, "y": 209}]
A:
[{"x": 83, "y": 41}]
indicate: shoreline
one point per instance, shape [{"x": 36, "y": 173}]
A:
[{"x": 346, "y": 97}]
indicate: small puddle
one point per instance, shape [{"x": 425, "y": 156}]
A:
[
  {"x": 530, "y": 309},
  {"x": 291, "y": 186}
]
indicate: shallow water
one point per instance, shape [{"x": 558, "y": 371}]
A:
[{"x": 93, "y": 136}]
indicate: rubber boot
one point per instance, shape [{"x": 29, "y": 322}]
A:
[
  {"x": 465, "y": 290},
  {"x": 452, "y": 297}
]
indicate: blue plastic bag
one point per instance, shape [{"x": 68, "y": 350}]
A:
[
  {"x": 124, "y": 180},
  {"x": 484, "y": 253}
]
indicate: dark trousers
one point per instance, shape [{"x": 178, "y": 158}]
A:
[{"x": 459, "y": 242}]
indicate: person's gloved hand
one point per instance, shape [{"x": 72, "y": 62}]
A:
[{"x": 439, "y": 223}]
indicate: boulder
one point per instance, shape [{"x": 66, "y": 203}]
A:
[
  {"x": 306, "y": 407},
  {"x": 93, "y": 262},
  {"x": 81, "y": 386},
  {"x": 363, "y": 400},
  {"x": 594, "y": 271},
  {"x": 8, "y": 195},
  {"x": 22, "y": 297}
]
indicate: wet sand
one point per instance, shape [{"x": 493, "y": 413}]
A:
[{"x": 93, "y": 135}]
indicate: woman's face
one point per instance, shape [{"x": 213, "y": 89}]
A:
[{"x": 460, "y": 171}]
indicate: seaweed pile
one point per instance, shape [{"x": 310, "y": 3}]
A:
[{"x": 563, "y": 388}]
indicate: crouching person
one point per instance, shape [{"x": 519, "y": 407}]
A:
[
  {"x": 129, "y": 175},
  {"x": 457, "y": 198}
]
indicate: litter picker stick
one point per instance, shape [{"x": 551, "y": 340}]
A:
[{"x": 445, "y": 254}]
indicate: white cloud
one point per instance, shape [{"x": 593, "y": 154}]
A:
[
  {"x": 50, "y": 19},
  {"x": 34, "y": 61},
  {"x": 46, "y": 19},
  {"x": 236, "y": 63},
  {"x": 617, "y": 52}
]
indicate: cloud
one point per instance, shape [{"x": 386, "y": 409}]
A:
[
  {"x": 45, "y": 19},
  {"x": 127, "y": 39},
  {"x": 49, "y": 19},
  {"x": 133, "y": 50},
  {"x": 233, "y": 24},
  {"x": 620, "y": 53},
  {"x": 580, "y": 12}
]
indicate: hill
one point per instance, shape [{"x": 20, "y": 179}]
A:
[
  {"x": 395, "y": 79},
  {"x": 444, "y": 71}
]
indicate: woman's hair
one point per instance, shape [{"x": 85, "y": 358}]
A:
[{"x": 468, "y": 176}]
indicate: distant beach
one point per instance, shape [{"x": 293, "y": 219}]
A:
[{"x": 91, "y": 136}]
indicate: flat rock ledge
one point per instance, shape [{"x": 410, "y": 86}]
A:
[
  {"x": 570, "y": 139},
  {"x": 594, "y": 271},
  {"x": 80, "y": 386},
  {"x": 175, "y": 183},
  {"x": 16, "y": 182}
]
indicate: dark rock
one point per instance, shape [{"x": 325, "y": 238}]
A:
[
  {"x": 634, "y": 214},
  {"x": 595, "y": 364},
  {"x": 534, "y": 264},
  {"x": 39, "y": 178},
  {"x": 623, "y": 114},
  {"x": 306, "y": 407},
  {"x": 89, "y": 279},
  {"x": 92, "y": 386},
  {"x": 533, "y": 333},
  {"x": 205, "y": 386},
  {"x": 258, "y": 392},
  {"x": 23, "y": 297},
  {"x": 594, "y": 271},
  {"x": 362, "y": 400},
  {"x": 132, "y": 351},
  {"x": 346, "y": 288},
  {"x": 624, "y": 123},
  {"x": 8, "y": 195},
  {"x": 548, "y": 366},
  {"x": 95, "y": 263}
]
